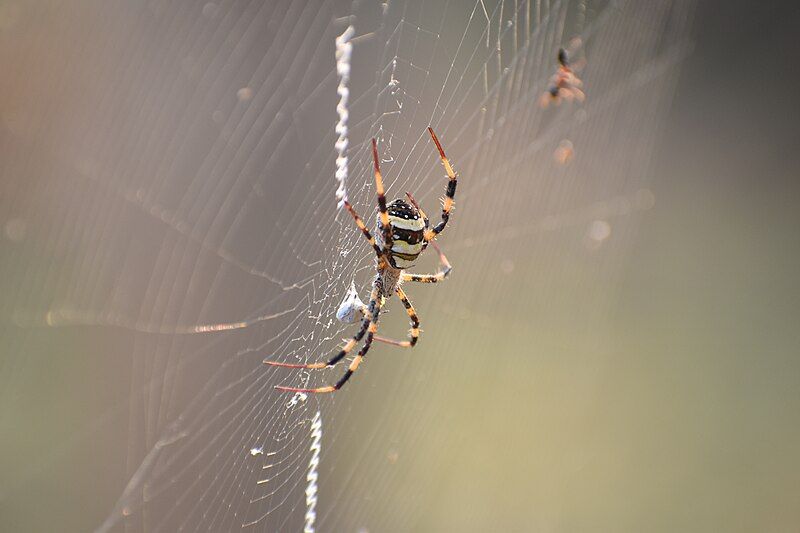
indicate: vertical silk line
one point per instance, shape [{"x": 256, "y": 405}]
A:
[
  {"x": 313, "y": 463},
  {"x": 344, "y": 49}
]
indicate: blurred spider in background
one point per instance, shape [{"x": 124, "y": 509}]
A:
[
  {"x": 564, "y": 84},
  {"x": 403, "y": 233}
]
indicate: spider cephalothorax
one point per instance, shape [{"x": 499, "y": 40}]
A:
[
  {"x": 408, "y": 233},
  {"x": 402, "y": 234}
]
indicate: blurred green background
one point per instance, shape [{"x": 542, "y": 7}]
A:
[{"x": 577, "y": 392}]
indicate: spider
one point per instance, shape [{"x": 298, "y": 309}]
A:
[
  {"x": 564, "y": 84},
  {"x": 403, "y": 233}
]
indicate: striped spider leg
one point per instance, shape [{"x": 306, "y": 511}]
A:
[{"x": 449, "y": 197}]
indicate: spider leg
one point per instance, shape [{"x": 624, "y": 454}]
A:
[
  {"x": 444, "y": 271},
  {"x": 374, "y": 303},
  {"x": 372, "y": 327},
  {"x": 425, "y": 219},
  {"x": 415, "y": 204},
  {"x": 365, "y": 312},
  {"x": 383, "y": 212},
  {"x": 363, "y": 227},
  {"x": 421, "y": 212},
  {"x": 412, "y": 315},
  {"x": 450, "y": 193}
]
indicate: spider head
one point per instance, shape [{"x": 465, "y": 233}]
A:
[
  {"x": 408, "y": 226},
  {"x": 401, "y": 211}
]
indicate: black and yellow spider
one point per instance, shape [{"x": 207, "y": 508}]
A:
[{"x": 403, "y": 234}]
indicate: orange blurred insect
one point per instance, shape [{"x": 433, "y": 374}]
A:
[{"x": 564, "y": 84}]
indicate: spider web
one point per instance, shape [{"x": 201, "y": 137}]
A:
[{"x": 183, "y": 202}]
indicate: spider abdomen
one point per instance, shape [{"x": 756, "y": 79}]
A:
[{"x": 408, "y": 228}]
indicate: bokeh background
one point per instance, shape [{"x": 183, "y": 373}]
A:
[{"x": 617, "y": 349}]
